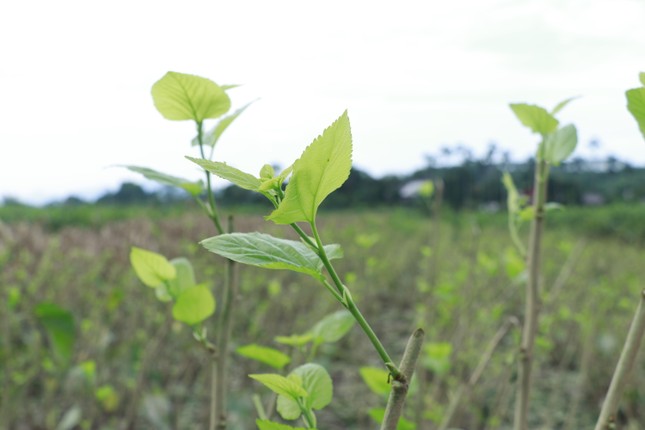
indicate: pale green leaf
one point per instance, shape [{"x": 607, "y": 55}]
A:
[
  {"x": 276, "y": 181},
  {"x": 266, "y": 355},
  {"x": 231, "y": 174},
  {"x": 210, "y": 138},
  {"x": 562, "y": 105},
  {"x": 295, "y": 339},
  {"x": 270, "y": 425},
  {"x": 179, "y": 96},
  {"x": 318, "y": 384},
  {"x": 59, "y": 326},
  {"x": 194, "y": 305},
  {"x": 538, "y": 119},
  {"x": 333, "y": 327},
  {"x": 377, "y": 379},
  {"x": 193, "y": 188},
  {"x": 290, "y": 387},
  {"x": 152, "y": 269},
  {"x": 184, "y": 279},
  {"x": 322, "y": 168},
  {"x": 636, "y": 106},
  {"x": 560, "y": 145},
  {"x": 263, "y": 250}
]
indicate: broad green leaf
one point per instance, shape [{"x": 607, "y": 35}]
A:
[
  {"x": 559, "y": 145},
  {"x": 562, "y": 105},
  {"x": 290, "y": 387},
  {"x": 437, "y": 357},
  {"x": 333, "y": 327},
  {"x": 270, "y": 425},
  {"x": 536, "y": 118},
  {"x": 263, "y": 354},
  {"x": 295, "y": 339},
  {"x": 211, "y": 137},
  {"x": 231, "y": 174},
  {"x": 377, "y": 379},
  {"x": 322, "y": 168},
  {"x": 378, "y": 414},
  {"x": 194, "y": 305},
  {"x": 152, "y": 269},
  {"x": 59, "y": 326},
  {"x": 193, "y": 188},
  {"x": 178, "y": 96},
  {"x": 317, "y": 382},
  {"x": 636, "y": 106},
  {"x": 263, "y": 250},
  {"x": 184, "y": 279}
]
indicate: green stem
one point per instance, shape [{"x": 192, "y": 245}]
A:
[
  {"x": 532, "y": 294},
  {"x": 212, "y": 206},
  {"x": 348, "y": 302},
  {"x": 307, "y": 416}
]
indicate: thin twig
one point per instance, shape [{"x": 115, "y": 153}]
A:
[{"x": 401, "y": 384}]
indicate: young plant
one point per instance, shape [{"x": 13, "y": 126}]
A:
[
  {"x": 556, "y": 144},
  {"x": 322, "y": 168},
  {"x": 183, "y": 97}
]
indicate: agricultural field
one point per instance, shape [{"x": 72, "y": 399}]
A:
[{"x": 85, "y": 345}]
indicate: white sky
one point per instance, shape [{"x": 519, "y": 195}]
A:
[{"x": 75, "y": 80}]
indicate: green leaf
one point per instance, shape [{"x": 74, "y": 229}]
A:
[
  {"x": 333, "y": 327},
  {"x": 263, "y": 250},
  {"x": 560, "y": 145},
  {"x": 267, "y": 172},
  {"x": 290, "y": 387},
  {"x": 317, "y": 382},
  {"x": 377, "y": 379},
  {"x": 295, "y": 339},
  {"x": 59, "y": 326},
  {"x": 178, "y": 96},
  {"x": 562, "y": 105},
  {"x": 641, "y": 76},
  {"x": 194, "y": 305},
  {"x": 231, "y": 174},
  {"x": 322, "y": 168},
  {"x": 636, "y": 106},
  {"x": 193, "y": 188},
  {"x": 536, "y": 118},
  {"x": 266, "y": 355},
  {"x": 275, "y": 182},
  {"x": 437, "y": 357},
  {"x": 426, "y": 190},
  {"x": 270, "y": 425},
  {"x": 184, "y": 279},
  {"x": 152, "y": 269},
  {"x": 211, "y": 137}
]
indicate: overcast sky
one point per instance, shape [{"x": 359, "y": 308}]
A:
[{"x": 75, "y": 80}]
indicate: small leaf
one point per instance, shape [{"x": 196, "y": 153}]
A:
[
  {"x": 263, "y": 354},
  {"x": 295, "y": 339},
  {"x": 322, "y": 168},
  {"x": 59, "y": 326},
  {"x": 536, "y": 118},
  {"x": 333, "y": 327},
  {"x": 318, "y": 384},
  {"x": 193, "y": 188},
  {"x": 184, "y": 279},
  {"x": 263, "y": 250},
  {"x": 636, "y": 105},
  {"x": 152, "y": 269},
  {"x": 267, "y": 172},
  {"x": 194, "y": 305},
  {"x": 270, "y": 425},
  {"x": 276, "y": 182},
  {"x": 426, "y": 190},
  {"x": 179, "y": 96},
  {"x": 377, "y": 379},
  {"x": 289, "y": 387},
  {"x": 231, "y": 174},
  {"x": 560, "y": 145},
  {"x": 562, "y": 105},
  {"x": 211, "y": 137}
]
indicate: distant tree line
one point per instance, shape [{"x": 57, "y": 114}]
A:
[{"x": 468, "y": 183}]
